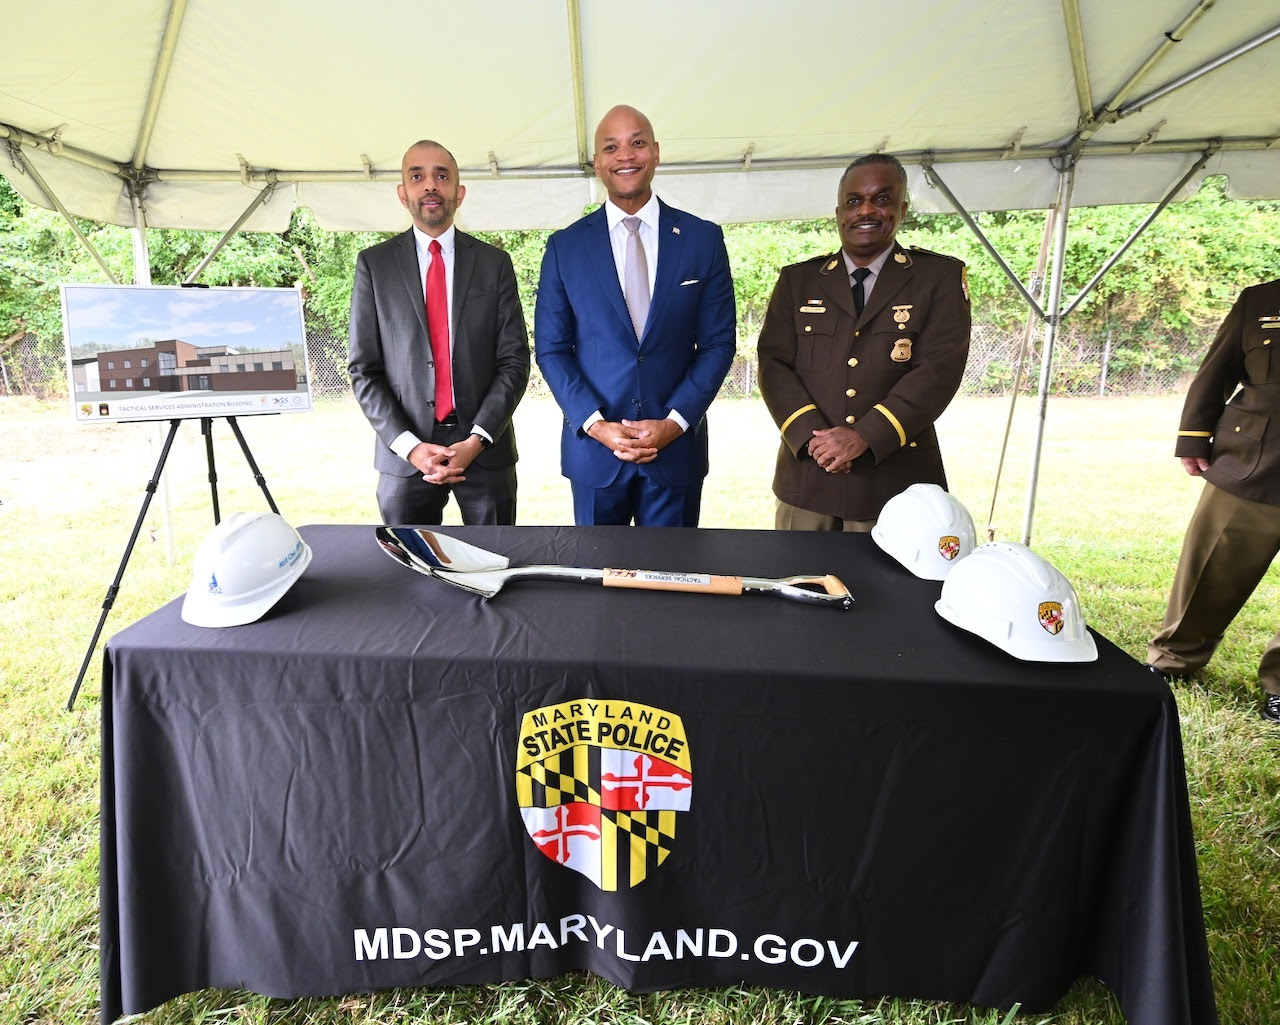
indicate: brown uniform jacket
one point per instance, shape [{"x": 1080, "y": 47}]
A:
[
  {"x": 890, "y": 373},
  {"x": 1244, "y": 452}
]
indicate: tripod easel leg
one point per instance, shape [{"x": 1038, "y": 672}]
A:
[
  {"x": 114, "y": 589},
  {"x": 257, "y": 474},
  {"x": 206, "y": 428}
]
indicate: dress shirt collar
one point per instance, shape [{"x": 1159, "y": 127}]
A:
[
  {"x": 648, "y": 213},
  {"x": 445, "y": 239},
  {"x": 874, "y": 266}
]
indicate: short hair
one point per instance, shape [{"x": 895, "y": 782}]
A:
[
  {"x": 432, "y": 142},
  {"x": 875, "y": 158}
]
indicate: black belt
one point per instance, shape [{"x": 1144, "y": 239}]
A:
[{"x": 449, "y": 421}]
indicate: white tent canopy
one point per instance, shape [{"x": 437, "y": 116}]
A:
[
  {"x": 228, "y": 114},
  {"x": 193, "y": 107}
]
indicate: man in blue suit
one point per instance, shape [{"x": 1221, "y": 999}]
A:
[{"x": 634, "y": 332}]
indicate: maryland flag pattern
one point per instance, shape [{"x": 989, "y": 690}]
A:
[{"x": 601, "y": 786}]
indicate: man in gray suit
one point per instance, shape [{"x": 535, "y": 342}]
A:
[{"x": 439, "y": 356}]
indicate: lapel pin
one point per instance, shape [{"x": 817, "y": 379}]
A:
[
  {"x": 899, "y": 258},
  {"x": 831, "y": 265},
  {"x": 675, "y": 230}
]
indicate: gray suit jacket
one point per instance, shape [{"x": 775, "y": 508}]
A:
[{"x": 392, "y": 373}]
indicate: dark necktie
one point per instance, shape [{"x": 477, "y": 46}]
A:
[
  {"x": 860, "y": 274},
  {"x": 438, "y": 329}
]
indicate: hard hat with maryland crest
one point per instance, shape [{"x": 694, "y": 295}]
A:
[
  {"x": 926, "y": 529},
  {"x": 1008, "y": 595}
]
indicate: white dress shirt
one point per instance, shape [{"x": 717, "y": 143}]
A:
[
  {"x": 648, "y": 232},
  {"x": 405, "y": 443}
]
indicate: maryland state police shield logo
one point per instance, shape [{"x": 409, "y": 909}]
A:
[
  {"x": 601, "y": 786},
  {"x": 1051, "y": 618}
]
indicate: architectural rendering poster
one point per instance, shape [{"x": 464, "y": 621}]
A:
[{"x": 156, "y": 352}]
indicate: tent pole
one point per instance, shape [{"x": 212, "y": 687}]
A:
[
  {"x": 574, "y": 12},
  {"x": 1146, "y": 223},
  {"x": 142, "y": 276},
  {"x": 1200, "y": 72},
  {"x": 141, "y": 254},
  {"x": 1066, "y": 181},
  {"x": 934, "y": 179},
  {"x": 28, "y": 169},
  {"x": 1037, "y": 283},
  {"x": 258, "y": 200},
  {"x": 1110, "y": 112},
  {"x": 159, "y": 79}
]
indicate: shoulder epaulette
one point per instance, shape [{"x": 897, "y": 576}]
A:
[{"x": 930, "y": 252}]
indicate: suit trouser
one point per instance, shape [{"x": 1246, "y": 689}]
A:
[
  {"x": 1229, "y": 545},
  {"x": 486, "y": 498}
]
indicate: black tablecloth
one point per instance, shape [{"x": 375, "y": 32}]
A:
[{"x": 859, "y": 802}]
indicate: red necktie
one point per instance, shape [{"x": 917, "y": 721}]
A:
[{"x": 438, "y": 328}]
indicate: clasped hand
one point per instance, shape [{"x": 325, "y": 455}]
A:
[
  {"x": 439, "y": 464},
  {"x": 635, "y": 441},
  {"x": 835, "y": 448}
]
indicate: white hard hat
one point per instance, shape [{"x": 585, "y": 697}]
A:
[
  {"x": 243, "y": 567},
  {"x": 926, "y": 529},
  {"x": 1007, "y": 594}
]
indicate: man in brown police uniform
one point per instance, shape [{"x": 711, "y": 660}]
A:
[
  {"x": 859, "y": 354},
  {"x": 1234, "y": 533}
]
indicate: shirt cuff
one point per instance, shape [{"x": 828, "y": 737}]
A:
[
  {"x": 404, "y": 444},
  {"x": 674, "y": 415},
  {"x": 595, "y": 417}
]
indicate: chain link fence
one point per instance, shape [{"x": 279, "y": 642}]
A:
[{"x": 1115, "y": 364}]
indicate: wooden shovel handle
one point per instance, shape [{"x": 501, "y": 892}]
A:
[{"x": 660, "y": 580}]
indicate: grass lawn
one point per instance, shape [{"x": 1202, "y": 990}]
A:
[{"x": 1111, "y": 506}]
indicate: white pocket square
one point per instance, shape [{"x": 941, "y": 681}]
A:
[{"x": 691, "y": 281}]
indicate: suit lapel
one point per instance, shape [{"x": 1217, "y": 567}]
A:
[
  {"x": 407, "y": 261},
  {"x": 464, "y": 264},
  {"x": 670, "y": 243},
  {"x": 600, "y": 253},
  {"x": 835, "y": 283}
]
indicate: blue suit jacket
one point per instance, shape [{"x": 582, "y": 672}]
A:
[{"x": 588, "y": 353}]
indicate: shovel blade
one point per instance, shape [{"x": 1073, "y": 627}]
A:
[
  {"x": 481, "y": 582},
  {"x": 442, "y": 552}
]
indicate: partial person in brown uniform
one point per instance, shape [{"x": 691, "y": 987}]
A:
[
  {"x": 1229, "y": 436},
  {"x": 860, "y": 353}
]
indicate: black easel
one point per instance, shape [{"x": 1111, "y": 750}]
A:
[{"x": 206, "y": 428}]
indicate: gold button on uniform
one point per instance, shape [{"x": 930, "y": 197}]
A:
[
  {"x": 808, "y": 328},
  {"x": 1237, "y": 430},
  {"x": 849, "y": 419},
  {"x": 853, "y": 361},
  {"x": 851, "y": 392}
]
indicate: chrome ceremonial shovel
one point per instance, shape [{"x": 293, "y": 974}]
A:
[{"x": 486, "y": 573}]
